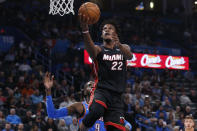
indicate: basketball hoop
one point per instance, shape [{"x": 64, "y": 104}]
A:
[{"x": 61, "y": 7}]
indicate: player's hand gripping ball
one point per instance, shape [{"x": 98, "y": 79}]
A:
[{"x": 89, "y": 13}]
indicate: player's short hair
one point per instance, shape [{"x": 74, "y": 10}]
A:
[
  {"x": 189, "y": 117},
  {"x": 111, "y": 22},
  {"x": 89, "y": 84}
]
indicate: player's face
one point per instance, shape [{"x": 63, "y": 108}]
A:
[
  {"x": 189, "y": 124},
  {"x": 88, "y": 88},
  {"x": 108, "y": 31}
]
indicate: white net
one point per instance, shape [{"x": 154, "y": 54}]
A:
[{"x": 61, "y": 7}]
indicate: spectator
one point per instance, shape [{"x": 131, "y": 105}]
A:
[
  {"x": 161, "y": 113},
  {"x": 17, "y": 93},
  {"x": 2, "y": 78},
  {"x": 128, "y": 108},
  {"x": 21, "y": 104},
  {"x": 156, "y": 91},
  {"x": 180, "y": 121},
  {"x": 68, "y": 120},
  {"x": 66, "y": 102},
  {"x": 184, "y": 99},
  {"x": 10, "y": 57},
  {"x": 172, "y": 125},
  {"x": 128, "y": 103},
  {"x": 2, "y": 120},
  {"x": 27, "y": 91},
  {"x": 177, "y": 112},
  {"x": 193, "y": 96},
  {"x": 137, "y": 97},
  {"x": 65, "y": 86},
  {"x": 171, "y": 117},
  {"x": 175, "y": 101},
  {"x": 8, "y": 127},
  {"x": 62, "y": 125},
  {"x": 147, "y": 103},
  {"x": 166, "y": 94},
  {"x": 156, "y": 105},
  {"x": 13, "y": 118},
  {"x": 58, "y": 91},
  {"x": 166, "y": 104},
  {"x": 20, "y": 127},
  {"x": 74, "y": 126},
  {"x": 24, "y": 67},
  {"x": 37, "y": 97},
  {"x": 50, "y": 124},
  {"x": 40, "y": 123},
  {"x": 21, "y": 83},
  {"x": 189, "y": 75},
  {"x": 28, "y": 117},
  {"x": 35, "y": 128},
  {"x": 188, "y": 111},
  {"x": 2, "y": 99},
  {"x": 162, "y": 126}
]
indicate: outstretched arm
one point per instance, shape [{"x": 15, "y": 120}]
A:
[
  {"x": 91, "y": 48},
  {"x": 76, "y": 108},
  {"x": 52, "y": 112}
]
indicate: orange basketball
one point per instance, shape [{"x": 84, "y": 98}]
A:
[{"x": 90, "y": 10}]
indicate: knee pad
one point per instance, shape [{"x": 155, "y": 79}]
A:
[{"x": 95, "y": 112}]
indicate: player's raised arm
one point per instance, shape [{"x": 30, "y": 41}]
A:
[
  {"x": 76, "y": 108},
  {"x": 91, "y": 48}
]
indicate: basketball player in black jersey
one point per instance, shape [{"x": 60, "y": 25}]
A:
[{"x": 109, "y": 61}]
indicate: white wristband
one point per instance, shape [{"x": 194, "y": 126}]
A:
[{"x": 84, "y": 32}]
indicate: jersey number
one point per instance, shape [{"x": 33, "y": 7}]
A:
[
  {"x": 97, "y": 126},
  {"x": 117, "y": 65}
]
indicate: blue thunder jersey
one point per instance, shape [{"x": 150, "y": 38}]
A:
[{"x": 99, "y": 124}]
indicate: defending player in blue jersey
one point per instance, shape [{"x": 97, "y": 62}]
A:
[{"x": 79, "y": 108}]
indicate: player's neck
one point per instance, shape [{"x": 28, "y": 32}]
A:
[
  {"x": 191, "y": 129},
  {"x": 109, "y": 45}
]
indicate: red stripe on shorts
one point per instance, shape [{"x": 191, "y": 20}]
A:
[
  {"x": 102, "y": 103},
  {"x": 118, "y": 126}
]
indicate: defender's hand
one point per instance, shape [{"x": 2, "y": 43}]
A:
[{"x": 48, "y": 80}]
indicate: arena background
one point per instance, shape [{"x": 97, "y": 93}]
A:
[{"x": 33, "y": 42}]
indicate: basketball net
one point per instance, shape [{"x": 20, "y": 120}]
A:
[{"x": 61, "y": 7}]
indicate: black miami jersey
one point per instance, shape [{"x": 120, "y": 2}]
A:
[{"x": 110, "y": 68}]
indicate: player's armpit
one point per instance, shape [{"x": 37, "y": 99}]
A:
[{"x": 76, "y": 108}]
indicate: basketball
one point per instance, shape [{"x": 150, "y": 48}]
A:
[{"x": 91, "y": 11}]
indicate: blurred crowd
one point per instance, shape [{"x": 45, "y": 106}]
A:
[
  {"x": 159, "y": 100},
  {"x": 153, "y": 99}
]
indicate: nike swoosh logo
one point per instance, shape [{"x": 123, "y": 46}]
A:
[{"x": 106, "y": 50}]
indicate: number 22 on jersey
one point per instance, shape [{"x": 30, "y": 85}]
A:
[{"x": 117, "y": 65}]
